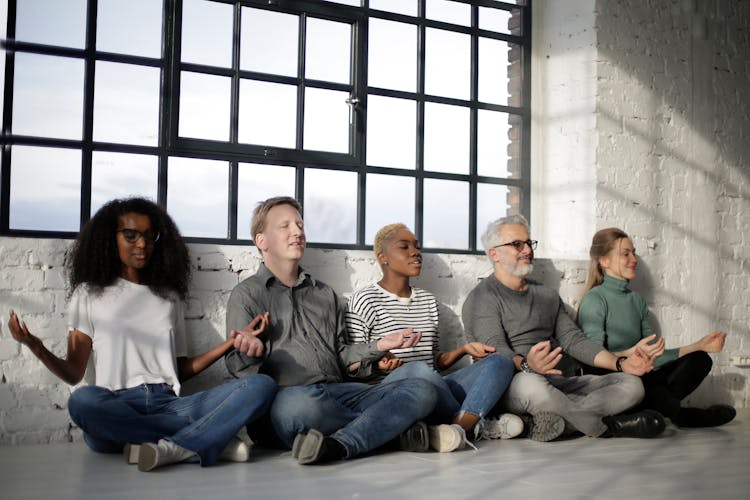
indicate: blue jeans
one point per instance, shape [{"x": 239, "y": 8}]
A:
[
  {"x": 473, "y": 389},
  {"x": 204, "y": 422},
  {"x": 360, "y": 416}
]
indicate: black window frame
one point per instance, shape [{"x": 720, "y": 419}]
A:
[{"x": 170, "y": 145}]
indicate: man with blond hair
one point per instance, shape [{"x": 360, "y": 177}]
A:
[{"x": 297, "y": 335}]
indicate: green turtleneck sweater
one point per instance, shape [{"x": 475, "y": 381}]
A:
[{"x": 617, "y": 318}]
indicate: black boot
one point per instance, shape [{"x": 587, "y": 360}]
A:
[
  {"x": 643, "y": 424},
  {"x": 712, "y": 416}
]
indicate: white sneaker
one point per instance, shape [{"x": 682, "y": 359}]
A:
[
  {"x": 131, "y": 452},
  {"x": 162, "y": 453},
  {"x": 506, "y": 426},
  {"x": 236, "y": 451},
  {"x": 446, "y": 438}
]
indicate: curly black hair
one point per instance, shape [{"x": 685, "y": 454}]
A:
[{"x": 94, "y": 260}]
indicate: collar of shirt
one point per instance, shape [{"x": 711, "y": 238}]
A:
[{"x": 268, "y": 277}]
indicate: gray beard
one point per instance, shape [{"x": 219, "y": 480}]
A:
[{"x": 522, "y": 272}]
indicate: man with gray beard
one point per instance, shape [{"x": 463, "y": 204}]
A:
[{"x": 527, "y": 322}]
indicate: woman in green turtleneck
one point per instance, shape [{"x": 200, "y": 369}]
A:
[{"x": 617, "y": 317}]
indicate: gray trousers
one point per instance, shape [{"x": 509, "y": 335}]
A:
[{"x": 581, "y": 401}]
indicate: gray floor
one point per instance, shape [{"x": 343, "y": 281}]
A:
[{"x": 684, "y": 464}]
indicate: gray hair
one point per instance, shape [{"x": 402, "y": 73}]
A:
[{"x": 491, "y": 235}]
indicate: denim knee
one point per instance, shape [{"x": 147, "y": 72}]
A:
[
  {"x": 84, "y": 402},
  {"x": 500, "y": 365},
  {"x": 297, "y": 409}
]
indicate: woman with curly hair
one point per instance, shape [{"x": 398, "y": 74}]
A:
[
  {"x": 129, "y": 271},
  {"x": 617, "y": 317}
]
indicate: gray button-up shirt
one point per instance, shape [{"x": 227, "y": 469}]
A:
[{"x": 305, "y": 342}]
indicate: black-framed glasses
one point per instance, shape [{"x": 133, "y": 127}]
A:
[
  {"x": 518, "y": 244},
  {"x": 133, "y": 235}
]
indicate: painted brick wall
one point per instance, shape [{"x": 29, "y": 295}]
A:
[{"x": 33, "y": 403}]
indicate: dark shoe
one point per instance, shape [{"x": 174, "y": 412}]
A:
[
  {"x": 712, "y": 416},
  {"x": 415, "y": 438},
  {"x": 314, "y": 448},
  {"x": 644, "y": 424},
  {"x": 543, "y": 426}
]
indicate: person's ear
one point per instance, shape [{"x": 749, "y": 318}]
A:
[
  {"x": 604, "y": 262},
  {"x": 382, "y": 260},
  {"x": 260, "y": 242}
]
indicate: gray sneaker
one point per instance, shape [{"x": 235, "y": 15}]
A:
[
  {"x": 543, "y": 426},
  {"x": 415, "y": 438}
]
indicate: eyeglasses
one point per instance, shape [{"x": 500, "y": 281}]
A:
[
  {"x": 518, "y": 244},
  {"x": 133, "y": 235}
]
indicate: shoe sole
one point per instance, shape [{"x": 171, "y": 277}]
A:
[
  {"x": 415, "y": 439},
  {"x": 546, "y": 427},
  {"x": 147, "y": 458},
  {"x": 443, "y": 442},
  {"x": 236, "y": 451},
  {"x": 297, "y": 445},
  {"x": 308, "y": 451},
  {"x": 131, "y": 452},
  {"x": 505, "y": 422}
]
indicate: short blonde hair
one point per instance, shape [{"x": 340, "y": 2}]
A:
[
  {"x": 258, "y": 224},
  {"x": 384, "y": 234}
]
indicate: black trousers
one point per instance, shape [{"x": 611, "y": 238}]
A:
[{"x": 672, "y": 382}]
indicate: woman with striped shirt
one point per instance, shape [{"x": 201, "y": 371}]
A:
[{"x": 466, "y": 395}]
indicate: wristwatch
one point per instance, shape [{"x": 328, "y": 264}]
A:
[
  {"x": 618, "y": 363},
  {"x": 525, "y": 366}
]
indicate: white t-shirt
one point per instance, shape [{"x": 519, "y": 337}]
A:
[{"x": 137, "y": 336}]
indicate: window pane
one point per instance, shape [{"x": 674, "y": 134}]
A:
[
  {"x": 495, "y": 201},
  {"x": 268, "y": 114},
  {"x": 446, "y": 214},
  {"x": 120, "y": 175},
  {"x": 408, "y": 7},
  {"x": 257, "y": 54},
  {"x": 493, "y": 71},
  {"x": 52, "y": 22},
  {"x": 390, "y": 199},
  {"x": 326, "y": 120},
  {"x": 356, "y": 3},
  {"x": 48, "y": 96},
  {"x": 499, "y": 20},
  {"x": 198, "y": 196},
  {"x": 129, "y": 27},
  {"x": 494, "y": 145},
  {"x": 449, "y": 12},
  {"x": 447, "y": 64},
  {"x": 207, "y": 33},
  {"x": 45, "y": 188},
  {"x": 391, "y": 132},
  {"x": 330, "y": 206},
  {"x": 204, "y": 106},
  {"x": 392, "y": 55},
  {"x": 328, "y": 50},
  {"x": 257, "y": 183},
  {"x": 126, "y": 104},
  {"x": 446, "y": 138}
]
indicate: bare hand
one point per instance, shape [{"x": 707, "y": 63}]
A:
[
  {"x": 543, "y": 360},
  {"x": 246, "y": 339},
  {"x": 638, "y": 363},
  {"x": 651, "y": 347},
  {"x": 20, "y": 331},
  {"x": 713, "y": 342},
  {"x": 399, "y": 340},
  {"x": 257, "y": 326},
  {"x": 389, "y": 362},
  {"x": 477, "y": 350}
]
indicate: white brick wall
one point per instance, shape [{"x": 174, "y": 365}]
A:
[{"x": 640, "y": 120}]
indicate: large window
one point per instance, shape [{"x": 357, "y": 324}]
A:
[{"x": 367, "y": 111}]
